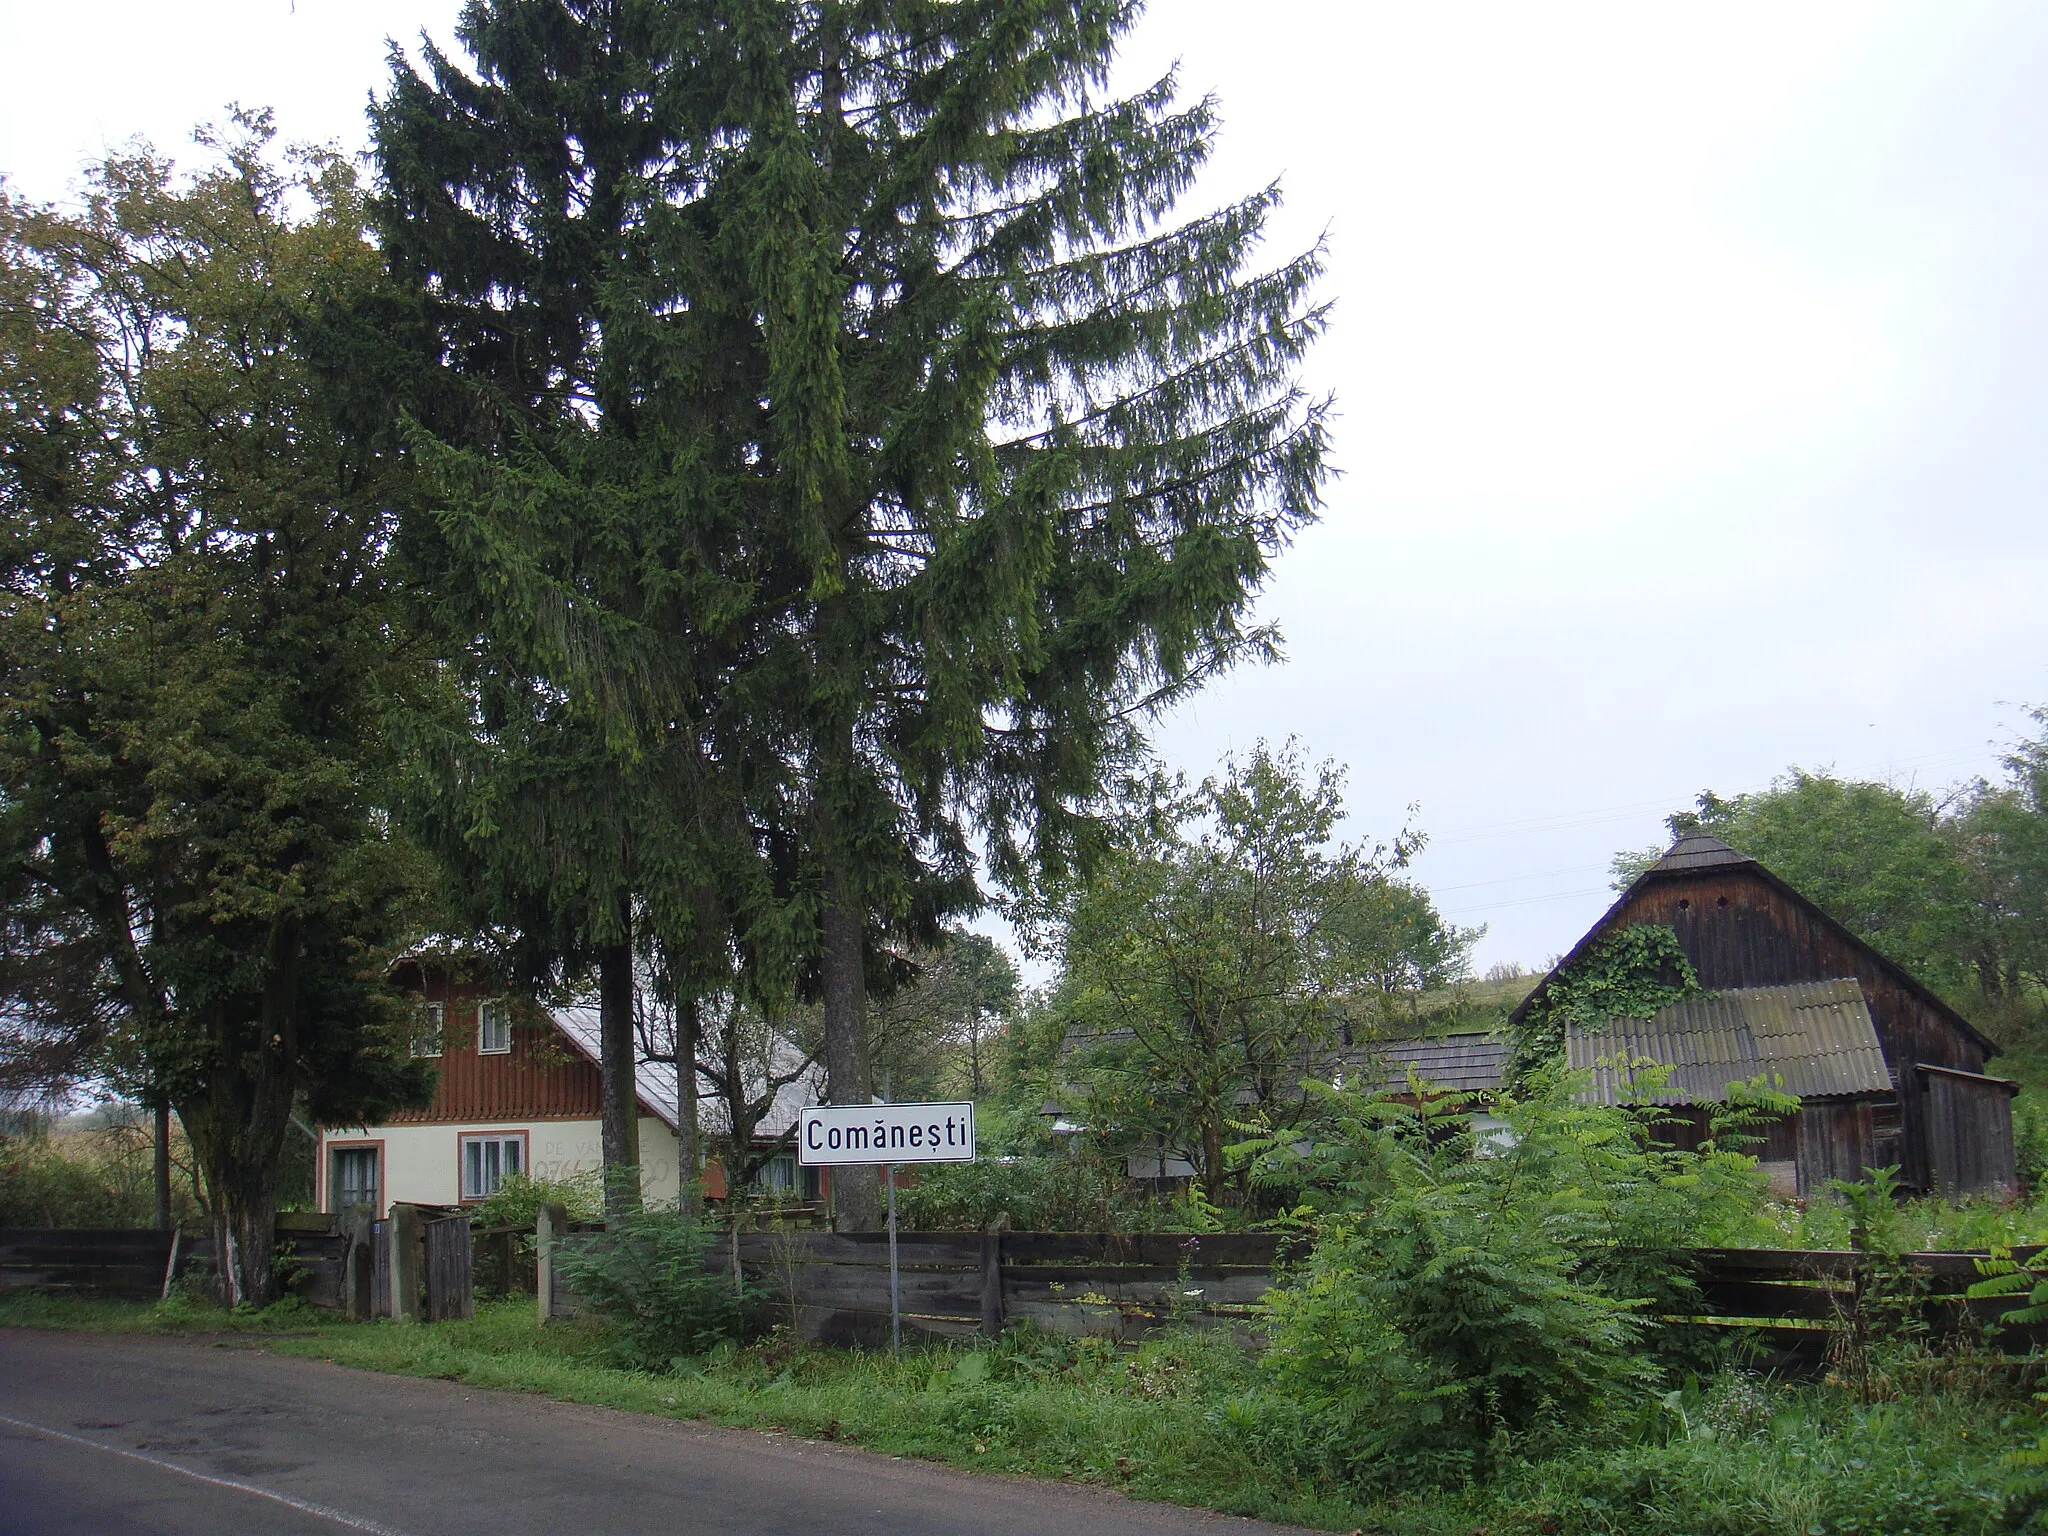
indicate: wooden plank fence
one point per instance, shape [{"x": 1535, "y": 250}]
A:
[
  {"x": 1792, "y": 1306},
  {"x": 97, "y": 1261},
  {"x": 833, "y": 1287}
]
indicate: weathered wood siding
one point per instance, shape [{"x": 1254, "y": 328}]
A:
[
  {"x": 1969, "y": 1132},
  {"x": 450, "y": 1293},
  {"x": 1741, "y": 929},
  {"x": 101, "y": 1261},
  {"x": 1834, "y": 1142}
]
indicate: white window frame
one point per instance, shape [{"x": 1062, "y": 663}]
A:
[
  {"x": 430, "y": 1028},
  {"x": 483, "y": 1013},
  {"x": 474, "y": 1189}
]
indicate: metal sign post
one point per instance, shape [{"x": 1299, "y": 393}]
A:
[
  {"x": 851, "y": 1136},
  {"x": 895, "y": 1286}
]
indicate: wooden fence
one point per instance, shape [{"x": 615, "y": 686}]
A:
[
  {"x": 420, "y": 1263},
  {"x": 1790, "y": 1308},
  {"x": 1794, "y": 1306},
  {"x": 336, "y": 1266},
  {"x": 101, "y": 1262},
  {"x": 833, "y": 1287}
]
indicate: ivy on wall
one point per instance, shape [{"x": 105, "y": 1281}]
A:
[{"x": 1629, "y": 974}]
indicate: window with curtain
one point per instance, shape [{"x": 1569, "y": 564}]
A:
[
  {"x": 493, "y": 1028},
  {"x": 487, "y": 1160},
  {"x": 354, "y": 1179}
]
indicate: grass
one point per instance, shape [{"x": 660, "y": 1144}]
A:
[{"x": 1188, "y": 1420}]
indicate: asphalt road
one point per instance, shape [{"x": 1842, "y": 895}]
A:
[{"x": 117, "y": 1436}]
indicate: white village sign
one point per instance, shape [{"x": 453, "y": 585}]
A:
[
  {"x": 836, "y": 1135},
  {"x": 862, "y": 1135}
]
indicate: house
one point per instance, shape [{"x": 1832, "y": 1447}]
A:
[
  {"x": 518, "y": 1091},
  {"x": 1885, "y": 1070}
]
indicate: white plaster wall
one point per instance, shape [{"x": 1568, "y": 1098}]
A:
[{"x": 420, "y": 1160}]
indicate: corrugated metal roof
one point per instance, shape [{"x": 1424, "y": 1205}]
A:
[
  {"x": 1817, "y": 1036},
  {"x": 656, "y": 1080}
]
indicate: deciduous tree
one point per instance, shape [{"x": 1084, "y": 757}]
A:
[
  {"x": 1214, "y": 963},
  {"x": 202, "y": 659}
]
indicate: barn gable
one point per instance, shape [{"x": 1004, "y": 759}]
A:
[{"x": 1743, "y": 927}]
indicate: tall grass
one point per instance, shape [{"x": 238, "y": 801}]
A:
[{"x": 1191, "y": 1419}]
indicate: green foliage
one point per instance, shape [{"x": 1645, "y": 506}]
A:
[
  {"x": 837, "y": 445},
  {"x": 40, "y": 1186},
  {"x": 1056, "y": 1193},
  {"x": 1220, "y": 955},
  {"x": 202, "y": 659},
  {"x": 518, "y": 1199},
  {"x": 1627, "y": 974},
  {"x": 652, "y": 1275},
  {"x": 1475, "y": 1296},
  {"x": 938, "y": 1034}
]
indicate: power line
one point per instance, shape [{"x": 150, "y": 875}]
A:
[
  {"x": 1548, "y": 874},
  {"x": 1565, "y": 821},
  {"x": 1530, "y": 901}
]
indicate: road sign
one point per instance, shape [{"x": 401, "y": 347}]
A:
[
  {"x": 839, "y": 1135},
  {"x": 862, "y": 1135}
]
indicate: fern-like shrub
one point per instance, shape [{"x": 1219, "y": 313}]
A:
[
  {"x": 654, "y": 1276},
  {"x": 1470, "y": 1296}
]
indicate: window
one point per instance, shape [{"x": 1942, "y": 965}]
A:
[
  {"x": 486, "y": 1160},
  {"x": 426, "y": 1030},
  {"x": 782, "y": 1178},
  {"x": 354, "y": 1180},
  {"x": 493, "y": 1028}
]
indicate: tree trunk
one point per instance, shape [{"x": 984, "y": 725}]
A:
[
  {"x": 1212, "y": 1161},
  {"x": 236, "y": 1149},
  {"x": 689, "y": 1165},
  {"x": 161, "y": 1167},
  {"x": 621, "y": 1105},
  {"x": 856, "y": 1197}
]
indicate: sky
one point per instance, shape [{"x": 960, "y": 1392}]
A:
[{"x": 1690, "y": 367}]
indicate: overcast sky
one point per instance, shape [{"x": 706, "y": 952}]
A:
[{"x": 1691, "y": 366}]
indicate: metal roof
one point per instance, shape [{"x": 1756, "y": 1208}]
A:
[
  {"x": 1818, "y": 1037},
  {"x": 656, "y": 1080}
]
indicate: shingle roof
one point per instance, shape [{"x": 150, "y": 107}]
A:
[
  {"x": 1470, "y": 1063},
  {"x": 1817, "y": 1036},
  {"x": 1699, "y": 850}
]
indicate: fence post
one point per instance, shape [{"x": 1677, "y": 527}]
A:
[
  {"x": 357, "y": 1268},
  {"x": 547, "y": 1222},
  {"x": 992, "y": 1284},
  {"x": 405, "y": 1263}
]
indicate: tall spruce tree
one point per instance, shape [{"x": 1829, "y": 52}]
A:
[{"x": 831, "y": 402}]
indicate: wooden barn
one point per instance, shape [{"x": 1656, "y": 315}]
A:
[{"x": 1887, "y": 1073}]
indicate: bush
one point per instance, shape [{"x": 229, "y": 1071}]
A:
[
  {"x": 1471, "y": 1299},
  {"x": 648, "y": 1277},
  {"x": 518, "y": 1200},
  {"x": 1057, "y": 1193}
]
